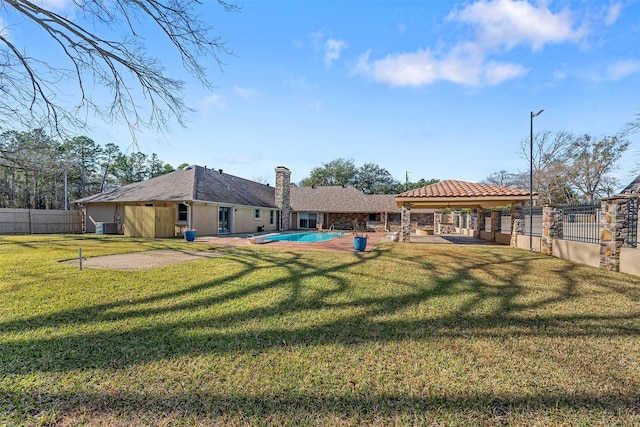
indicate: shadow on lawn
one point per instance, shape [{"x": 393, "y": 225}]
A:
[{"x": 480, "y": 278}]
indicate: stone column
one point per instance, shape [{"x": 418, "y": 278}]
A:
[
  {"x": 551, "y": 228},
  {"x": 517, "y": 223},
  {"x": 494, "y": 224},
  {"x": 480, "y": 222},
  {"x": 613, "y": 228},
  {"x": 437, "y": 220},
  {"x": 283, "y": 195},
  {"x": 406, "y": 222}
]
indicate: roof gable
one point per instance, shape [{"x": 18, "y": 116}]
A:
[
  {"x": 462, "y": 194},
  {"x": 193, "y": 184}
]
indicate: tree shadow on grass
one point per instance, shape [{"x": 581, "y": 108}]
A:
[{"x": 481, "y": 278}]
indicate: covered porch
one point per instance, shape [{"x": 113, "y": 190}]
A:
[{"x": 454, "y": 194}]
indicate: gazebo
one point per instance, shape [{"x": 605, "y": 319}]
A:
[{"x": 460, "y": 195}]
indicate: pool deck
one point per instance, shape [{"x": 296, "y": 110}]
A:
[{"x": 344, "y": 243}]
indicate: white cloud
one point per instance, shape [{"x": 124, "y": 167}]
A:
[
  {"x": 499, "y": 26},
  {"x": 613, "y": 13},
  {"x": 510, "y": 23},
  {"x": 332, "y": 50},
  {"x": 245, "y": 92},
  {"x": 328, "y": 47},
  {"x": 621, "y": 69},
  {"x": 495, "y": 73},
  {"x": 465, "y": 64},
  {"x": 55, "y": 4},
  {"x": 210, "y": 102}
]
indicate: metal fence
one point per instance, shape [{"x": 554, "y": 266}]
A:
[
  {"x": 504, "y": 222},
  {"x": 537, "y": 222},
  {"x": 581, "y": 223},
  {"x": 632, "y": 228}
]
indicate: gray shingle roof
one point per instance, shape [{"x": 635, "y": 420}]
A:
[
  {"x": 193, "y": 184},
  {"x": 633, "y": 187},
  {"x": 338, "y": 199}
]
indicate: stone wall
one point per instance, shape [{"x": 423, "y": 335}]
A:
[{"x": 617, "y": 219}]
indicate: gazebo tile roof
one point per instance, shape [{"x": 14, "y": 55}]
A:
[{"x": 454, "y": 188}]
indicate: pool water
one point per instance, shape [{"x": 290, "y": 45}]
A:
[{"x": 308, "y": 237}]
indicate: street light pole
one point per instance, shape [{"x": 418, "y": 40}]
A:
[{"x": 531, "y": 180}]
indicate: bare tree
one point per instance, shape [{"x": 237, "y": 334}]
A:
[
  {"x": 140, "y": 94},
  {"x": 504, "y": 178},
  {"x": 550, "y": 165}
]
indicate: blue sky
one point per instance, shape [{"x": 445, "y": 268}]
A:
[{"x": 439, "y": 89}]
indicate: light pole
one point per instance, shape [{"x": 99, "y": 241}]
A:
[{"x": 531, "y": 180}]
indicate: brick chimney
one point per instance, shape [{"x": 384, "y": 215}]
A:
[{"x": 283, "y": 194}]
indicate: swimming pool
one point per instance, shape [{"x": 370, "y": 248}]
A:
[{"x": 307, "y": 237}]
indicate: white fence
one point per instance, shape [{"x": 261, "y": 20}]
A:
[{"x": 39, "y": 221}]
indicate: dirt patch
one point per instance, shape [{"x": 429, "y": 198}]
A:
[{"x": 142, "y": 260}]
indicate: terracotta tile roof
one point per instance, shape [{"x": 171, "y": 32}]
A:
[{"x": 454, "y": 188}]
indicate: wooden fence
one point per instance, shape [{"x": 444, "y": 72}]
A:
[{"x": 39, "y": 221}]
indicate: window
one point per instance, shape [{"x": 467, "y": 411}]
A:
[
  {"x": 272, "y": 217},
  {"x": 307, "y": 220},
  {"x": 182, "y": 212},
  {"x": 257, "y": 214}
]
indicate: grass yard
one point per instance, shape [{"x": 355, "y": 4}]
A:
[{"x": 402, "y": 335}]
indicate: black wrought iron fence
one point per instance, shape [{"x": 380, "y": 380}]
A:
[
  {"x": 581, "y": 223},
  {"x": 632, "y": 226}
]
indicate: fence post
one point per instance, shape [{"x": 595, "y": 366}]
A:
[
  {"x": 613, "y": 228},
  {"x": 551, "y": 228}
]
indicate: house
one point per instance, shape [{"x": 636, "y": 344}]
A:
[
  {"x": 207, "y": 200},
  {"x": 213, "y": 202},
  {"x": 347, "y": 208},
  {"x": 633, "y": 187}
]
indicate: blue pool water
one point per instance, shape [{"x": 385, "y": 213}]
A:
[{"x": 308, "y": 237}]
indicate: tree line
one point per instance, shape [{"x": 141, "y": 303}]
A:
[
  {"x": 568, "y": 168},
  {"x": 34, "y": 165},
  {"x": 370, "y": 178}
]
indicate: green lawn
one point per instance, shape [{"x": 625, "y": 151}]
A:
[{"x": 403, "y": 335}]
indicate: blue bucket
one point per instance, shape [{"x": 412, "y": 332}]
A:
[
  {"x": 190, "y": 235},
  {"x": 360, "y": 243}
]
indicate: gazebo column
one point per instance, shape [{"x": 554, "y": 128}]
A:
[
  {"x": 406, "y": 222},
  {"x": 479, "y": 223}
]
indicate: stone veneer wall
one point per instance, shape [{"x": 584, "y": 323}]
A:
[
  {"x": 283, "y": 195},
  {"x": 614, "y": 225},
  {"x": 616, "y": 220},
  {"x": 551, "y": 228}
]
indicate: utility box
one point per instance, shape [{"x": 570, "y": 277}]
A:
[{"x": 106, "y": 228}]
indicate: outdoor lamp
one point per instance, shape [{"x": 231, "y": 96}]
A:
[{"x": 531, "y": 180}]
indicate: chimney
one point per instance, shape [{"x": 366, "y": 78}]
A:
[{"x": 283, "y": 195}]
